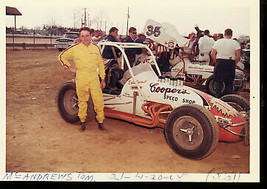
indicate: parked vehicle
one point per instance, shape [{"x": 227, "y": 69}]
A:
[
  {"x": 193, "y": 121},
  {"x": 66, "y": 41}
]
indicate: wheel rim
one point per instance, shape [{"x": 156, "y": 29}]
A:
[
  {"x": 188, "y": 132},
  {"x": 70, "y": 102}
]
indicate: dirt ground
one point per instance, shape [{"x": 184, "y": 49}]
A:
[{"x": 39, "y": 140}]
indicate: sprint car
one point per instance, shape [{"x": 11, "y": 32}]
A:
[
  {"x": 196, "y": 74},
  {"x": 193, "y": 121}
]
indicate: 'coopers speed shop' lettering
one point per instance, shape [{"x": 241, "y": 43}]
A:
[{"x": 154, "y": 88}]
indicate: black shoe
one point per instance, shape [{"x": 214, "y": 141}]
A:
[
  {"x": 101, "y": 127},
  {"x": 83, "y": 126}
]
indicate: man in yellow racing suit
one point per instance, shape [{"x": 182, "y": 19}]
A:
[{"x": 88, "y": 65}]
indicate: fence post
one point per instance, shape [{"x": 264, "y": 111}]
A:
[
  {"x": 24, "y": 46},
  {"x": 13, "y": 40},
  {"x": 51, "y": 38},
  {"x": 34, "y": 39}
]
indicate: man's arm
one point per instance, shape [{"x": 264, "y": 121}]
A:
[
  {"x": 64, "y": 56},
  {"x": 200, "y": 46},
  {"x": 237, "y": 56},
  {"x": 213, "y": 56},
  {"x": 101, "y": 69}
]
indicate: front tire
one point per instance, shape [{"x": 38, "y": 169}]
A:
[
  {"x": 68, "y": 104},
  {"x": 192, "y": 131}
]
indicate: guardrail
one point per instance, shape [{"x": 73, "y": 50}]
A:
[
  {"x": 25, "y": 45},
  {"x": 32, "y": 36}
]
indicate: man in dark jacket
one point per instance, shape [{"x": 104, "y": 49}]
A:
[
  {"x": 108, "y": 53},
  {"x": 132, "y": 35},
  {"x": 130, "y": 39}
]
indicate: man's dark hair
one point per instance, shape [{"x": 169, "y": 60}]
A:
[
  {"x": 132, "y": 29},
  {"x": 113, "y": 29},
  {"x": 228, "y": 32},
  {"x": 85, "y": 29},
  {"x": 220, "y": 35},
  {"x": 141, "y": 35},
  {"x": 206, "y": 32}
]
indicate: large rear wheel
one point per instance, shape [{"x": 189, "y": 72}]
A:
[
  {"x": 242, "y": 106},
  {"x": 192, "y": 131}
]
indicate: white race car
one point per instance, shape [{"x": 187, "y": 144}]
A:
[
  {"x": 169, "y": 38},
  {"x": 193, "y": 121},
  {"x": 66, "y": 41}
]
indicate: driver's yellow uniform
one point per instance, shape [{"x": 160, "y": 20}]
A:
[{"x": 89, "y": 65}]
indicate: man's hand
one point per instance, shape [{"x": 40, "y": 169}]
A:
[
  {"x": 212, "y": 63},
  {"x": 72, "y": 69},
  {"x": 102, "y": 84}
]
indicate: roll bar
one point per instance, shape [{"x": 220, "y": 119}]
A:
[{"x": 122, "y": 46}]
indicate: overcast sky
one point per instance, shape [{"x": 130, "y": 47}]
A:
[{"x": 214, "y": 15}]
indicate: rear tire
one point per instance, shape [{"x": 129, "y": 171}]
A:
[
  {"x": 192, "y": 131},
  {"x": 237, "y": 102},
  {"x": 242, "y": 106}
]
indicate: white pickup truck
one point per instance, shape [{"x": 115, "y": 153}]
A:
[{"x": 66, "y": 41}]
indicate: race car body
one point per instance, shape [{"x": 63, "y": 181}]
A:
[{"x": 193, "y": 121}]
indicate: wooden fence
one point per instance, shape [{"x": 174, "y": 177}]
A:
[
  {"x": 27, "y": 42},
  {"x": 27, "y": 45}
]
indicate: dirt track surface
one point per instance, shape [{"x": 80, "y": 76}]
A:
[{"x": 39, "y": 140}]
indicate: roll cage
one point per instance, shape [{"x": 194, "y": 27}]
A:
[{"x": 125, "y": 61}]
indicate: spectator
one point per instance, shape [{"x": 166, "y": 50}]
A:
[
  {"x": 215, "y": 35},
  {"x": 196, "y": 47},
  {"x": 205, "y": 46},
  {"x": 110, "y": 52},
  {"x": 220, "y": 36},
  {"x": 140, "y": 39},
  {"x": 130, "y": 39},
  {"x": 195, "y": 44},
  {"x": 132, "y": 35},
  {"x": 98, "y": 36},
  {"x": 226, "y": 54},
  {"x": 199, "y": 32},
  {"x": 189, "y": 50},
  {"x": 141, "y": 53}
]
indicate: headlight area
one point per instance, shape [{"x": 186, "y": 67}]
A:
[{"x": 227, "y": 125}]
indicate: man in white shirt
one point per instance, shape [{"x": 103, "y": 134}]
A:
[
  {"x": 225, "y": 54},
  {"x": 98, "y": 36},
  {"x": 205, "y": 46}
]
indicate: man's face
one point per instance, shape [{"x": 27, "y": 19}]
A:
[
  {"x": 85, "y": 37},
  {"x": 115, "y": 33},
  {"x": 133, "y": 34},
  {"x": 143, "y": 37},
  {"x": 97, "y": 33}
]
